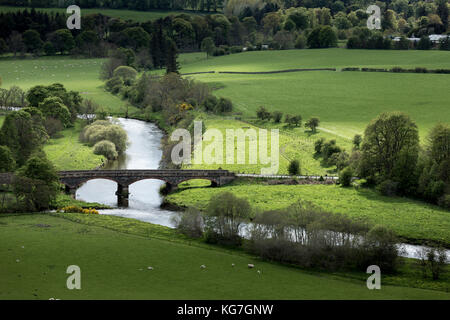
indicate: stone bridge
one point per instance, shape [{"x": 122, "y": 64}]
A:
[
  {"x": 72, "y": 180},
  {"x": 124, "y": 178}
]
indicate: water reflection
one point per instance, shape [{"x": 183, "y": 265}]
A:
[{"x": 143, "y": 152}]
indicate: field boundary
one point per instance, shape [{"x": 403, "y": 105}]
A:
[{"x": 277, "y": 71}]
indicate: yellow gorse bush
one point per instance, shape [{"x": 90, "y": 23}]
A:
[
  {"x": 76, "y": 209},
  {"x": 185, "y": 106}
]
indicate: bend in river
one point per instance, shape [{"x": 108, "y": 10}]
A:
[{"x": 143, "y": 152}]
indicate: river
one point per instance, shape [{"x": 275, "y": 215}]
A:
[{"x": 144, "y": 152}]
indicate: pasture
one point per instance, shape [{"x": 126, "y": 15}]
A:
[
  {"x": 80, "y": 75},
  {"x": 414, "y": 221},
  {"x": 68, "y": 153},
  {"x": 114, "y": 265},
  {"x": 344, "y": 101},
  {"x": 138, "y": 16}
]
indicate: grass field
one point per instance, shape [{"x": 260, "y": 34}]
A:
[
  {"x": 344, "y": 101},
  {"x": 80, "y": 75},
  {"x": 114, "y": 266},
  {"x": 414, "y": 221},
  {"x": 67, "y": 153},
  {"x": 138, "y": 16}
]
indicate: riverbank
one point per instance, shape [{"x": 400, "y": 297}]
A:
[{"x": 415, "y": 222}]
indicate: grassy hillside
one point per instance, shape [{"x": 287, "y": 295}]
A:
[
  {"x": 76, "y": 74},
  {"x": 344, "y": 101},
  {"x": 412, "y": 220},
  {"x": 114, "y": 266},
  {"x": 138, "y": 16}
]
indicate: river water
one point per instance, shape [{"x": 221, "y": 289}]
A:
[{"x": 144, "y": 152}]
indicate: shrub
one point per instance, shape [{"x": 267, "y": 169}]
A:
[
  {"x": 225, "y": 215},
  {"x": 224, "y": 105},
  {"x": 294, "y": 168},
  {"x": 53, "y": 126},
  {"x": 379, "y": 248},
  {"x": 263, "y": 114},
  {"x": 190, "y": 223},
  {"x": 345, "y": 177},
  {"x": 114, "y": 85},
  {"x": 277, "y": 116},
  {"x": 432, "y": 260},
  {"x": 300, "y": 42},
  {"x": 424, "y": 43},
  {"x": 388, "y": 188},
  {"x": 7, "y": 162},
  {"x": 127, "y": 74},
  {"x": 76, "y": 209},
  {"x": 236, "y": 49},
  {"x": 106, "y": 148},
  {"x": 318, "y": 144},
  {"x": 444, "y": 201},
  {"x": 210, "y": 103}
]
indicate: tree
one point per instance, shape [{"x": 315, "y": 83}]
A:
[
  {"x": 172, "y": 65},
  {"x": 263, "y": 114},
  {"x": 294, "y": 168},
  {"x": 3, "y": 46},
  {"x": 322, "y": 37},
  {"x": 32, "y": 41},
  {"x": 313, "y": 123},
  {"x": 15, "y": 43},
  {"x": 442, "y": 11},
  {"x": 36, "y": 183},
  {"x": 357, "y": 139},
  {"x": 106, "y": 148},
  {"x": 62, "y": 40},
  {"x": 87, "y": 41},
  {"x": 18, "y": 134},
  {"x": 108, "y": 67},
  {"x": 208, "y": 46},
  {"x": 136, "y": 37},
  {"x": 424, "y": 43},
  {"x": 277, "y": 116},
  {"x": 7, "y": 162},
  {"x": 54, "y": 107},
  {"x": 345, "y": 177},
  {"x": 224, "y": 216},
  {"x": 49, "y": 49},
  {"x": 126, "y": 73},
  {"x": 390, "y": 150}
]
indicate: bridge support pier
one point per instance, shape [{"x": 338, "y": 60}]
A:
[
  {"x": 70, "y": 191},
  {"x": 122, "y": 195}
]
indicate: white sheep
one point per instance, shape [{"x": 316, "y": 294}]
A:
[
  {"x": 202, "y": 266},
  {"x": 251, "y": 265}
]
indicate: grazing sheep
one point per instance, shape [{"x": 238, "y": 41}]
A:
[
  {"x": 150, "y": 268},
  {"x": 232, "y": 264},
  {"x": 202, "y": 266},
  {"x": 251, "y": 265}
]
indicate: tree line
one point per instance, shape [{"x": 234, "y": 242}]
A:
[
  {"x": 140, "y": 5},
  {"x": 242, "y": 24}
]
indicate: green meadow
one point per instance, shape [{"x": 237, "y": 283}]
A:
[
  {"x": 138, "y": 16},
  {"x": 67, "y": 153},
  {"x": 76, "y": 74},
  {"x": 344, "y": 101},
  {"x": 413, "y": 221},
  {"x": 114, "y": 265}
]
